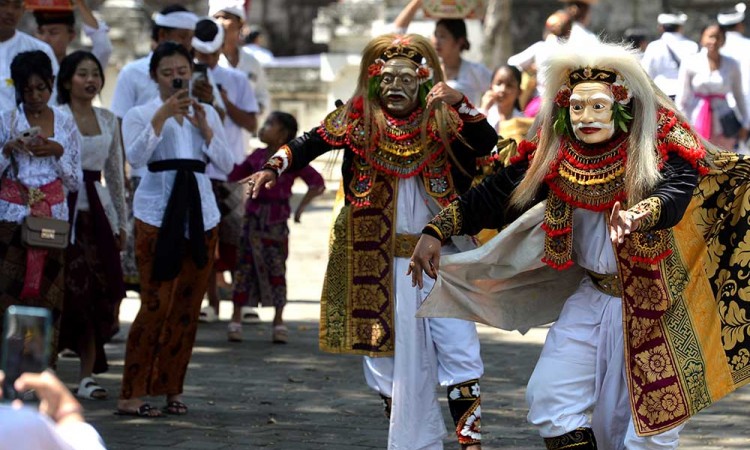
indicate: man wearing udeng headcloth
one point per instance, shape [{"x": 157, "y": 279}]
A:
[{"x": 626, "y": 227}]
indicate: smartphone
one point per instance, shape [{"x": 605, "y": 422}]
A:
[
  {"x": 200, "y": 72},
  {"x": 26, "y": 341},
  {"x": 29, "y": 135}
]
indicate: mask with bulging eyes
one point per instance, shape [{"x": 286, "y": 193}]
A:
[
  {"x": 399, "y": 87},
  {"x": 591, "y": 108}
]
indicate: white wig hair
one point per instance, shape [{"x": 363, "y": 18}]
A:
[{"x": 642, "y": 170}]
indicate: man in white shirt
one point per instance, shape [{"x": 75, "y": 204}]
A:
[
  {"x": 57, "y": 28},
  {"x": 241, "y": 109},
  {"x": 134, "y": 84},
  {"x": 256, "y": 43},
  {"x": 13, "y": 42},
  {"x": 662, "y": 57},
  {"x": 231, "y": 14},
  {"x": 580, "y": 10},
  {"x": 736, "y": 45}
]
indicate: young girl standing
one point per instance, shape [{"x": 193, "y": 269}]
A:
[{"x": 260, "y": 279}]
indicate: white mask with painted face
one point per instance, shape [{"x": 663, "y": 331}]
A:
[{"x": 591, "y": 112}]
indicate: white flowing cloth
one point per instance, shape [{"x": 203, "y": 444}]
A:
[
  {"x": 410, "y": 377},
  {"x": 503, "y": 283}
]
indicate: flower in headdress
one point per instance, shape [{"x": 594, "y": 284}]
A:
[
  {"x": 401, "y": 41},
  {"x": 562, "y": 99},
  {"x": 9, "y": 82},
  {"x": 376, "y": 68},
  {"x": 424, "y": 73},
  {"x": 620, "y": 92}
]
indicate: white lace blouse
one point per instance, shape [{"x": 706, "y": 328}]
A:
[
  {"x": 144, "y": 146},
  {"x": 39, "y": 171},
  {"x": 103, "y": 152}
]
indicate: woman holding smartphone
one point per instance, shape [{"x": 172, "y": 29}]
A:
[
  {"x": 38, "y": 168},
  {"x": 176, "y": 215},
  {"x": 94, "y": 284}
]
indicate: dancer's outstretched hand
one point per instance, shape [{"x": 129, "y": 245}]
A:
[
  {"x": 426, "y": 258},
  {"x": 623, "y": 222}
]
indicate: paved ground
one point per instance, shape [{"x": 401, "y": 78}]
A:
[{"x": 256, "y": 395}]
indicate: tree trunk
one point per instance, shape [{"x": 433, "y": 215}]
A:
[{"x": 497, "y": 45}]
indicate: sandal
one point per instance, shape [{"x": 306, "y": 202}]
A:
[
  {"x": 90, "y": 389},
  {"x": 234, "y": 332},
  {"x": 208, "y": 315},
  {"x": 176, "y": 408},
  {"x": 280, "y": 334},
  {"x": 145, "y": 410},
  {"x": 250, "y": 315}
]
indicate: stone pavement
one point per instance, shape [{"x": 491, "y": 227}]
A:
[{"x": 257, "y": 395}]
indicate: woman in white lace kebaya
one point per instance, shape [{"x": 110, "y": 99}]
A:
[
  {"x": 38, "y": 170},
  {"x": 704, "y": 81},
  {"x": 93, "y": 273}
]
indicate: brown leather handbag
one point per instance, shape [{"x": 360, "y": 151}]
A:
[{"x": 45, "y": 232}]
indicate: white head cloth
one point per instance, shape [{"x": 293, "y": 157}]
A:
[
  {"x": 672, "y": 19},
  {"x": 183, "y": 20},
  {"x": 212, "y": 46},
  {"x": 235, "y": 7},
  {"x": 732, "y": 18}
]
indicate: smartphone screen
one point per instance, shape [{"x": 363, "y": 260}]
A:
[{"x": 25, "y": 345}]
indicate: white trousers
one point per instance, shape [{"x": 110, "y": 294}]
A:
[
  {"x": 428, "y": 352},
  {"x": 581, "y": 373}
]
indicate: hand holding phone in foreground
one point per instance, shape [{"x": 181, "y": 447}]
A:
[{"x": 55, "y": 400}]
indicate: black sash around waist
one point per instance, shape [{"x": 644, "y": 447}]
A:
[{"x": 184, "y": 205}]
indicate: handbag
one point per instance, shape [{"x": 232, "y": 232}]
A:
[
  {"x": 45, "y": 232},
  {"x": 730, "y": 126}
]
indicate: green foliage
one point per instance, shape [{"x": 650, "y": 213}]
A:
[
  {"x": 621, "y": 116},
  {"x": 562, "y": 123},
  {"x": 373, "y": 87}
]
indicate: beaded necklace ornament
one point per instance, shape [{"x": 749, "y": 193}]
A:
[
  {"x": 583, "y": 176},
  {"x": 398, "y": 151}
]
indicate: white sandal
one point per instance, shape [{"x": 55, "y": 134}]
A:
[
  {"x": 90, "y": 389},
  {"x": 208, "y": 315}
]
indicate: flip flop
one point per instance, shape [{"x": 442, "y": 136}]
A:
[
  {"x": 90, "y": 389},
  {"x": 142, "y": 411},
  {"x": 175, "y": 408}
]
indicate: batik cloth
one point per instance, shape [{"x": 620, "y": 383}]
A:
[
  {"x": 161, "y": 338},
  {"x": 260, "y": 278}
]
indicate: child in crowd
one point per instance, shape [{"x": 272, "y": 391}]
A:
[{"x": 260, "y": 279}]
